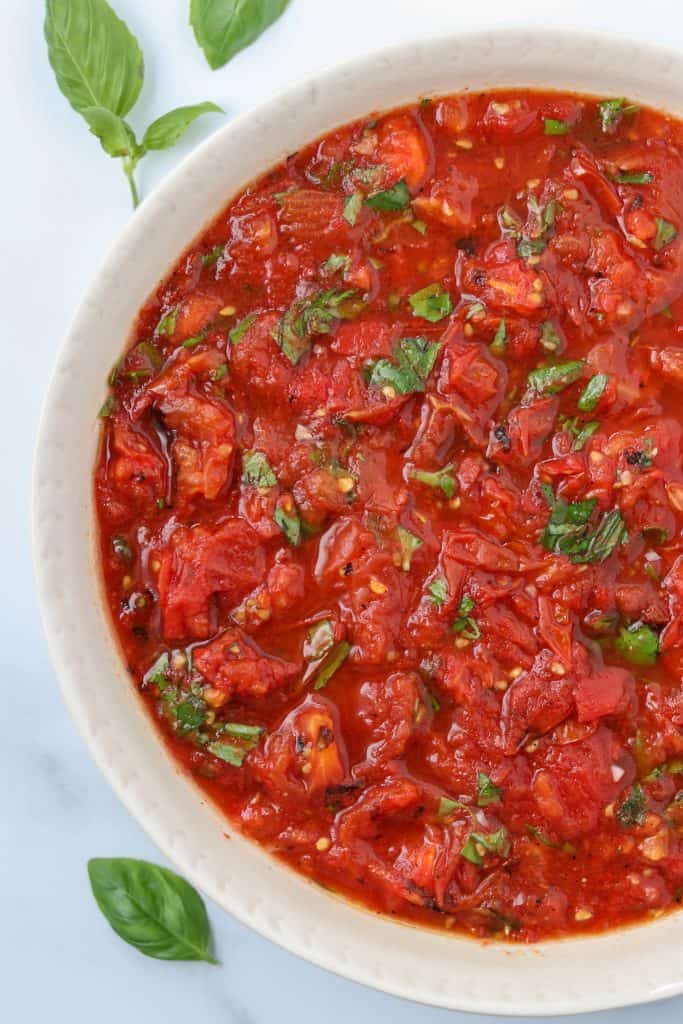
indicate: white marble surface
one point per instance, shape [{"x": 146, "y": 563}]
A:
[{"x": 63, "y": 202}]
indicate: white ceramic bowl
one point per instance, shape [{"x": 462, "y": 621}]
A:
[{"x": 629, "y": 966}]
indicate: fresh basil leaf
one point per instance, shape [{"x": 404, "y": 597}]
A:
[
  {"x": 395, "y": 198},
  {"x": 632, "y": 811},
  {"x": 167, "y": 129},
  {"x": 306, "y": 318},
  {"x": 352, "y": 205},
  {"x": 211, "y": 258},
  {"x": 112, "y": 131},
  {"x": 537, "y": 834},
  {"x": 549, "y": 380},
  {"x": 332, "y": 661},
  {"x": 151, "y": 908},
  {"x": 166, "y": 325},
  {"x": 638, "y": 644},
  {"x": 446, "y": 807},
  {"x": 337, "y": 261},
  {"x": 550, "y": 339},
  {"x": 431, "y": 303},
  {"x": 500, "y": 339},
  {"x": 290, "y": 523},
  {"x": 256, "y": 469},
  {"x": 251, "y": 733},
  {"x": 319, "y": 641},
  {"x": 527, "y": 247},
  {"x": 241, "y": 329},
  {"x": 584, "y": 434},
  {"x": 465, "y": 624},
  {"x": 593, "y": 392},
  {"x": 442, "y": 479},
  {"x": 419, "y": 226},
  {"x": 229, "y": 753},
  {"x": 96, "y": 59},
  {"x": 568, "y": 530},
  {"x": 414, "y": 360},
  {"x": 225, "y": 27},
  {"x": 553, "y": 127},
  {"x": 666, "y": 233},
  {"x": 480, "y": 843},
  {"x": 633, "y": 178},
  {"x": 408, "y": 544},
  {"x": 612, "y": 111},
  {"x": 487, "y": 792},
  {"x": 438, "y": 591}
]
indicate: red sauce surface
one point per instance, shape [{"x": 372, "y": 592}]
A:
[{"x": 398, "y": 572}]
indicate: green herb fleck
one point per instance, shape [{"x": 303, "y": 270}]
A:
[
  {"x": 395, "y": 198},
  {"x": 632, "y": 811},
  {"x": 465, "y": 624},
  {"x": 593, "y": 392},
  {"x": 408, "y": 545},
  {"x": 554, "y": 127},
  {"x": 638, "y": 643},
  {"x": 413, "y": 361},
  {"x": 666, "y": 233},
  {"x": 238, "y": 332},
  {"x": 500, "y": 339},
  {"x": 441, "y": 479},
  {"x": 438, "y": 591},
  {"x": 332, "y": 661},
  {"x": 256, "y": 469},
  {"x": 487, "y": 792},
  {"x": 290, "y": 523},
  {"x": 480, "y": 843},
  {"x": 352, "y": 205},
  {"x": 550, "y": 380}
]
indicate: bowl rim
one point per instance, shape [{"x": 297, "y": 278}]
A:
[{"x": 55, "y": 606}]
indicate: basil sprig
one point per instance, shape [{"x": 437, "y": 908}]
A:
[
  {"x": 99, "y": 68},
  {"x": 223, "y": 29},
  {"x": 151, "y": 908}
]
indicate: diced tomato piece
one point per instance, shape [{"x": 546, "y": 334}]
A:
[
  {"x": 305, "y": 754},
  {"x": 234, "y": 664},
  {"x": 607, "y": 692},
  {"x": 309, "y": 213},
  {"x": 387, "y": 709},
  {"x": 200, "y": 563},
  {"x": 403, "y": 148}
]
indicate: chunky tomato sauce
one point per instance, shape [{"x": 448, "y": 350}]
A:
[{"x": 390, "y": 495}]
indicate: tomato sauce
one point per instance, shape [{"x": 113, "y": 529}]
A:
[{"x": 390, "y": 495}]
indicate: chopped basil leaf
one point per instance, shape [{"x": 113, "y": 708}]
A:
[
  {"x": 549, "y": 380},
  {"x": 667, "y": 768},
  {"x": 228, "y": 753},
  {"x": 219, "y": 372},
  {"x": 395, "y": 198},
  {"x": 633, "y": 178},
  {"x": 584, "y": 434},
  {"x": 632, "y": 811},
  {"x": 192, "y": 342},
  {"x": 256, "y": 469},
  {"x": 414, "y": 360},
  {"x": 554, "y": 127},
  {"x": 438, "y": 591},
  {"x": 527, "y": 247},
  {"x": 480, "y": 843},
  {"x": 550, "y": 339},
  {"x": 332, "y": 661},
  {"x": 465, "y": 624},
  {"x": 243, "y": 732},
  {"x": 238, "y": 332},
  {"x": 408, "y": 544},
  {"x": 442, "y": 479},
  {"x": 166, "y": 325},
  {"x": 419, "y": 226},
  {"x": 638, "y": 644},
  {"x": 446, "y": 807},
  {"x": 337, "y": 261},
  {"x": 352, "y": 205},
  {"x": 593, "y": 392},
  {"x": 122, "y": 549},
  {"x": 431, "y": 303},
  {"x": 500, "y": 339},
  {"x": 306, "y": 318},
  {"x": 107, "y": 407},
  {"x": 612, "y": 111},
  {"x": 666, "y": 233},
  {"x": 568, "y": 531},
  {"x": 289, "y": 522},
  {"x": 487, "y": 792},
  {"x": 536, "y": 833},
  {"x": 320, "y": 640},
  {"x": 211, "y": 258}
]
